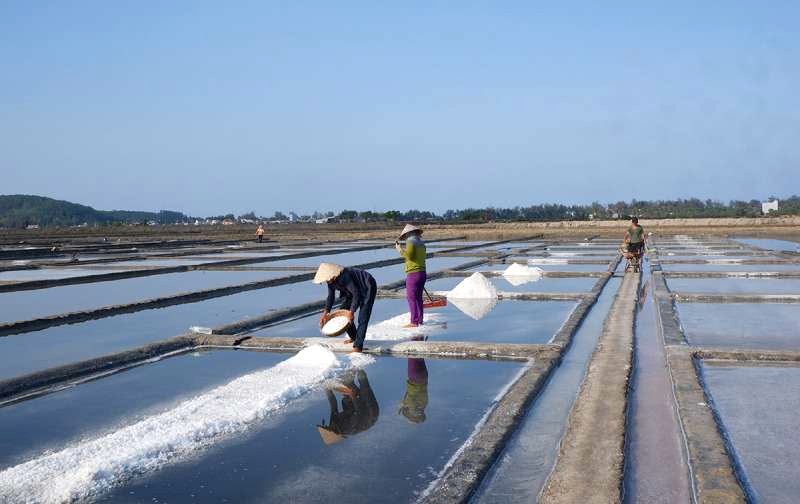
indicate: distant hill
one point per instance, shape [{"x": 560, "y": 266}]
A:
[{"x": 21, "y": 210}]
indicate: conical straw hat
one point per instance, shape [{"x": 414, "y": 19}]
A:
[
  {"x": 409, "y": 228},
  {"x": 328, "y": 436},
  {"x": 327, "y": 272}
]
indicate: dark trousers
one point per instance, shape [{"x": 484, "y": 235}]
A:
[
  {"x": 359, "y": 333},
  {"x": 260, "y": 238}
]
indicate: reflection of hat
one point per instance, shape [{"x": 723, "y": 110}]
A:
[
  {"x": 327, "y": 272},
  {"x": 409, "y": 229},
  {"x": 328, "y": 436}
]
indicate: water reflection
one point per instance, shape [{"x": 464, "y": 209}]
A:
[
  {"x": 416, "y": 397},
  {"x": 359, "y": 409},
  {"x": 474, "y": 308},
  {"x": 645, "y": 286}
]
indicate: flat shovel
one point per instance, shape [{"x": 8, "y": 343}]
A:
[{"x": 433, "y": 303}]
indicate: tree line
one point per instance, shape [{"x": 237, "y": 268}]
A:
[{"x": 19, "y": 211}]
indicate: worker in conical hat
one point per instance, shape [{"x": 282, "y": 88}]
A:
[
  {"x": 416, "y": 276},
  {"x": 357, "y": 288}
]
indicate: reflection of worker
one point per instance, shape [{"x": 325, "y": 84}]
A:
[
  {"x": 359, "y": 410},
  {"x": 416, "y": 399},
  {"x": 414, "y": 255},
  {"x": 260, "y": 233},
  {"x": 358, "y": 289}
]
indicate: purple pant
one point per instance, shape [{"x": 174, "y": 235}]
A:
[{"x": 415, "y": 282}]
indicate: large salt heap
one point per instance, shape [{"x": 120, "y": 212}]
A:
[
  {"x": 473, "y": 287},
  {"x": 475, "y": 296}
]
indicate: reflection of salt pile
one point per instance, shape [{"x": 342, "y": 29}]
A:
[
  {"x": 475, "y": 296},
  {"x": 393, "y": 330},
  {"x": 91, "y": 466},
  {"x": 519, "y": 274}
]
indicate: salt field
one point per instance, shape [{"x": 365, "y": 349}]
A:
[{"x": 213, "y": 383}]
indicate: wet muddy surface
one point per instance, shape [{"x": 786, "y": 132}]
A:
[{"x": 656, "y": 467}]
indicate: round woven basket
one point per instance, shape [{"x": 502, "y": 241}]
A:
[{"x": 337, "y": 332}]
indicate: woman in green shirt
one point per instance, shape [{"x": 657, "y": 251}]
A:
[{"x": 414, "y": 255}]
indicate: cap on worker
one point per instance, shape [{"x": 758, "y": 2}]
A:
[
  {"x": 410, "y": 228},
  {"x": 327, "y": 272},
  {"x": 328, "y": 436}
]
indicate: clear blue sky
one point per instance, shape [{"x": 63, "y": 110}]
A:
[{"x": 205, "y": 108}]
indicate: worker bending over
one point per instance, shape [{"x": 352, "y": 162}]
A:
[{"x": 358, "y": 289}]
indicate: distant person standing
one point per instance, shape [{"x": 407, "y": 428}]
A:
[
  {"x": 634, "y": 237},
  {"x": 414, "y": 255},
  {"x": 260, "y": 233}
]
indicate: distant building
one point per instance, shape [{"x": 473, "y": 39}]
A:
[
  {"x": 228, "y": 222},
  {"x": 32, "y": 226},
  {"x": 769, "y": 206}
]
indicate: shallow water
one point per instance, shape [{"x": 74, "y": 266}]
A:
[
  {"x": 747, "y": 325},
  {"x": 25, "y": 305},
  {"x": 386, "y": 456},
  {"x": 764, "y": 444},
  {"x": 51, "y": 273},
  {"x": 507, "y": 322},
  {"x": 735, "y": 285},
  {"x": 28, "y": 352},
  {"x": 770, "y": 244},
  {"x": 731, "y": 267}
]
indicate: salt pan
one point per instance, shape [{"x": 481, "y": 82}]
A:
[{"x": 88, "y": 467}]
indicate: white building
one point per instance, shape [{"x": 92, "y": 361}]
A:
[{"x": 769, "y": 206}]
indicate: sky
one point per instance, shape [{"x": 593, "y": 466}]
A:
[{"x": 215, "y": 107}]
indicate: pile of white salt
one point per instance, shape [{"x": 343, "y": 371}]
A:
[{"x": 473, "y": 287}]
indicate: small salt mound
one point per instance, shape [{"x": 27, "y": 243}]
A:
[
  {"x": 392, "y": 329},
  {"x": 518, "y": 269},
  {"x": 473, "y": 287}
]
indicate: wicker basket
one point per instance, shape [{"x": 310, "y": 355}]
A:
[{"x": 338, "y": 331}]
